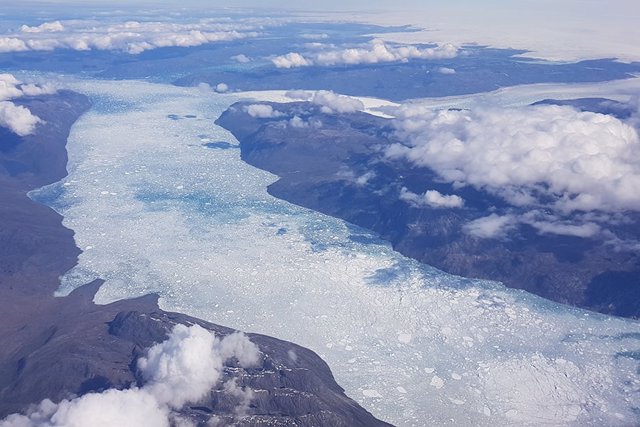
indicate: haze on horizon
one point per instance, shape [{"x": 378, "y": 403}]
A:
[{"x": 564, "y": 31}]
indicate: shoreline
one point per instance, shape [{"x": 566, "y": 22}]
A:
[{"x": 54, "y": 348}]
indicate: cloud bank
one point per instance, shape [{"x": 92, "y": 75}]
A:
[
  {"x": 133, "y": 37},
  {"x": 374, "y": 52},
  {"x": 555, "y": 162},
  {"x": 180, "y": 370},
  {"x": 579, "y": 161},
  {"x": 17, "y": 118}
]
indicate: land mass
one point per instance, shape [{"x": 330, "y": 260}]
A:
[
  {"x": 339, "y": 169},
  {"x": 58, "y": 348}
]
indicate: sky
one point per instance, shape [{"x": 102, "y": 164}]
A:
[{"x": 577, "y": 6}]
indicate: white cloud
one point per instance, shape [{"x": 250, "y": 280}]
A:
[
  {"x": 243, "y": 394},
  {"x": 183, "y": 368},
  {"x": 334, "y": 103},
  {"x": 492, "y": 226},
  {"x": 364, "y": 178},
  {"x": 133, "y": 407},
  {"x": 17, "y": 118},
  {"x": 374, "y": 52},
  {"x": 548, "y": 156},
  {"x": 291, "y": 60},
  {"x": 555, "y": 166},
  {"x": 588, "y": 229},
  {"x": 180, "y": 370},
  {"x": 358, "y": 180},
  {"x": 581, "y": 226},
  {"x": 133, "y": 37},
  {"x": 496, "y": 226},
  {"x": 315, "y": 36},
  {"x": 262, "y": 111},
  {"x": 319, "y": 46},
  {"x": 238, "y": 346},
  {"x": 241, "y": 58},
  {"x": 222, "y": 88},
  {"x": 12, "y": 44},
  {"x": 9, "y": 87},
  {"x": 51, "y": 27},
  {"x": 446, "y": 70},
  {"x": 432, "y": 198},
  {"x": 297, "y": 122},
  {"x": 36, "y": 90}
]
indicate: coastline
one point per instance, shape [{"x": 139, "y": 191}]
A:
[{"x": 60, "y": 347}]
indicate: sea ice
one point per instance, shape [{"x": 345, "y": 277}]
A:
[{"x": 198, "y": 227}]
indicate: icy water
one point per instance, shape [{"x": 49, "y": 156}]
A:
[{"x": 157, "y": 206}]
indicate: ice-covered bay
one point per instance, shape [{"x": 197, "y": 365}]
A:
[{"x": 155, "y": 210}]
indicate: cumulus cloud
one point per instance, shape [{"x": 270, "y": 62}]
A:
[
  {"x": 446, "y": 70},
  {"x": 36, "y": 90},
  {"x": 263, "y": 111},
  {"x": 183, "y": 368},
  {"x": 550, "y": 156},
  {"x": 298, "y": 122},
  {"x": 132, "y": 36},
  {"x": 431, "y": 198},
  {"x": 553, "y": 165},
  {"x": 241, "y": 58},
  {"x": 331, "y": 102},
  {"x": 12, "y": 44},
  {"x": 50, "y": 27},
  {"x": 17, "y": 118},
  {"x": 291, "y": 60},
  {"x": 222, "y": 88},
  {"x": 109, "y": 409},
  {"x": 9, "y": 87},
  {"x": 180, "y": 370},
  {"x": 374, "y": 52}
]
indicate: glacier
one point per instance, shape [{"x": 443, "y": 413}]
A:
[{"x": 155, "y": 209}]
